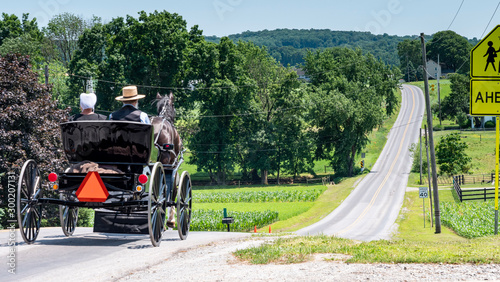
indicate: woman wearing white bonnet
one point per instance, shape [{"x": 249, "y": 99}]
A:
[{"x": 87, "y": 105}]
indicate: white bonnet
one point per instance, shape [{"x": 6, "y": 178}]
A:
[{"x": 87, "y": 101}]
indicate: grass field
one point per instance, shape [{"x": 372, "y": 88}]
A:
[{"x": 412, "y": 244}]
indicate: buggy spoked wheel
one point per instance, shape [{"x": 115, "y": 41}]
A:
[
  {"x": 68, "y": 216},
  {"x": 29, "y": 211},
  {"x": 184, "y": 205},
  {"x": 157, "y": 204}
]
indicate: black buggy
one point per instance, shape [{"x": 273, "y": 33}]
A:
[{"x": 131, "y": 196}]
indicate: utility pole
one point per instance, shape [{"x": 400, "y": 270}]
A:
[
  {"x": 407, "y": 69},
  {"x": 428, "y": 172},
  {"x": 439, "y": 94},
  {"x": 431, "y": 139},
  {"x": 420, "y": 139}
]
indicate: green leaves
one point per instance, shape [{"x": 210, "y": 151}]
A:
[
  {"x": 451, "y": 155},
  {"x": 470, "y": 219},
  {"x": 203, "y": 220},
  {"x": 351, "y": 95},
  {"x": 258, "y": 196}
]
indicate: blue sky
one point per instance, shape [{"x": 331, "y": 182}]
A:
[{"x": 224, "y": 17}]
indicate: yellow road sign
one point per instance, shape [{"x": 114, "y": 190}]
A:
[
  {"x": 484, "y": 97},
  {"x": 485, "y": 56}
]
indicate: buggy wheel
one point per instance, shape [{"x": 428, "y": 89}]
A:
[
  {"x": 68, "y": 216},
  {"x": 184, "y": 205},
  {"x": 29, "y": 211},
  {"x": 157, "y": 204}
]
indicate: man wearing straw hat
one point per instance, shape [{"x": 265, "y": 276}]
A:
[{"x": 130, "y": 111}]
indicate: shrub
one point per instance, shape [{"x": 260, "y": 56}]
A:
[{"x": 489, "y": 124}]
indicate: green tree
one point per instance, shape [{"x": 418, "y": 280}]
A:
[
  {"x": 351, "y": 95},
  {"x": 410, "y": 58},
  {"x": 451, "y": 155},
  {"x": 452, "y": 48},
  {"x": 223, "y": 96},
  {"x": 64, "y": 30},
  {"x": 277, "y": 128},
  {"x": 457, "y": 103},
  {"x": 24, "y": 45},
  {"x": 149, "y": 50},
  {"x": 23, "y": 37}
]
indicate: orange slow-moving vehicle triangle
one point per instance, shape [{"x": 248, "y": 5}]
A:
[{"x": 92, "y": 189}]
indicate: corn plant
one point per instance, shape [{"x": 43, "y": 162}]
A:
[
  {"x": 258, "y": 196},
  {"x": 469, "y": 219},
  {"x": 211, "y": 220}
]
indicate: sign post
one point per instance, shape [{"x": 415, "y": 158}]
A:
[
  {"x": 497, "y": 154},
  {"x": 422, "y": 193},
  {"x": 485, "y": 90}
]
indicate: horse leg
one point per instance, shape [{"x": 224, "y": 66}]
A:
[{"x": 171, "y": 210}]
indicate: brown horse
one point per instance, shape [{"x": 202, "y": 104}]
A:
[
  {"x": 167, "y": 139},
  {"x": 166, "y": 135}
]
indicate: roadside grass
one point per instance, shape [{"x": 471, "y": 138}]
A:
[{"x": 412, "y": 244}]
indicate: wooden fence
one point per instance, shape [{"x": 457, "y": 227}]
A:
[
  {"x": 467, "y": 194},
  {"x": 463, "y": 179}
]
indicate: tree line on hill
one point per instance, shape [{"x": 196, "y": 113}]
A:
[{"x": 290, "y": 46}]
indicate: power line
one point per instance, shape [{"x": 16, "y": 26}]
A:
[
  {"x": 490, "y": 19},
  {"x": 456, "y": 14}
]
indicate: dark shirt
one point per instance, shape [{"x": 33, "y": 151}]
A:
[
  {"x": 130, "y": 113},
  {"x": 93, "y": 116}
]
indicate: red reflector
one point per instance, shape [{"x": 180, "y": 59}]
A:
[
  {"x": 92, "y": 189},
  {"x": 52, "y": 177},
  {"x": 143, "y": 178}
]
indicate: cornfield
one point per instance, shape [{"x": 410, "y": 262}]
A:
[
  {"x": 469, "y": 219},
  {"x": 211, "y": 220},
  {"x": 258, "y": 196}
]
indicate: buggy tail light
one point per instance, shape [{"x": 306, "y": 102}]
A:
[
  {"x": 143, "y": 179},
  {"x": 52, "y": 177}
]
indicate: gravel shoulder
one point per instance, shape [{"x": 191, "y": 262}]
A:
[{"x": 215, "y": 262}]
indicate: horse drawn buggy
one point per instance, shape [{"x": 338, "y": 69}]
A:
[{"x": 114, "y": 169}]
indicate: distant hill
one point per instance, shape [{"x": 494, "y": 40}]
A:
[{"x": 289, "y": 46}]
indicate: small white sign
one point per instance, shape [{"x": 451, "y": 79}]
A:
[{"x": 422, "y": 192}]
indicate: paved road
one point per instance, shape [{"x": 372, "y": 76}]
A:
[
  {"x": 88, "y": 256},
  {"x": 373, "y": 206}
]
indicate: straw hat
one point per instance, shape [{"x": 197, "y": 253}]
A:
[{"x": 130, "y": 94}]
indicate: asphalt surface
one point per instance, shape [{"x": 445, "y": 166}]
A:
[
  {"x": 88, "y": 256},
  {"x": 370, "y": 211}
]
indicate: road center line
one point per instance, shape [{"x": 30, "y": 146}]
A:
[{"x": 365, "y": 211}]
